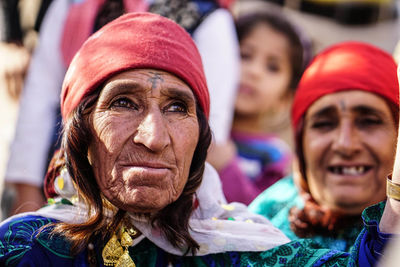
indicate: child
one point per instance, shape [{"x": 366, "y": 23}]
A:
[{"x": 272, "y": 61}]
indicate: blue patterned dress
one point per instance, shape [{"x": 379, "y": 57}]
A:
[
  {"x": 27, "y": 241},
  {"x": 276, "y": 206}
]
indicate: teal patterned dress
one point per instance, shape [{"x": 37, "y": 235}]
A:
[
  {"x": 27, "y": 241},
  {"x": 275, "y": 204}
]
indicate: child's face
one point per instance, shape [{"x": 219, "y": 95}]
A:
[{"x": 265, "y": 70}]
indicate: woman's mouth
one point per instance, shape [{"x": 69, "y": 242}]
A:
[
  {"x": 147, "y": 169},
  {"x": 246, "y": 90},
  {"x": 349, "y": 170}
]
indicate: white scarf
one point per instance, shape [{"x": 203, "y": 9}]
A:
[{"x": 215, "y": 225}]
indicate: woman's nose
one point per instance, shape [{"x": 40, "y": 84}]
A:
[
  {"x": 346, "y": 141},
  {"x": 253, "y": 69},
  {"x": 152, "y": 132}
]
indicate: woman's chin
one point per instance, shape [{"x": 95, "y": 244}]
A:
[
  {"x": 143, "y": 209},
  {"x": 142, "y": 206},
  {"x": 143, "y": 199},
  {"x": 349, "y": 206}
]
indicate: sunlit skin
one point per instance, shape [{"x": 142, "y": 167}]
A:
[
  {"x": 349, "y": 146},
  {"x": 265, "y": 71},
  {"x": 145, "y": 132}
]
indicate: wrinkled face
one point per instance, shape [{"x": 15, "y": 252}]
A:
[
  {"x": 145, "y": 132},
  {"x": 265, "y": 70},
  {"x": 349, "y": 144}
]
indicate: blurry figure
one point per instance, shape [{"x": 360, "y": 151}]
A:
[
  {"x": 21, "y": 21},
  {"x": 346, "y": 12},
  {"x": 345, "y": 117},
  {"x": 350, "y": 12},
  {"x": 67, "y": 26},
  {"x": 396, "y": 53},
  {"x": 15, "y": 61},
  {"x": 272, "y": 61},
  {"x": 329, "y": 22}
]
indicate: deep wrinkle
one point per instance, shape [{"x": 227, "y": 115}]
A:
[
  {"x": 111, "y": 90},
  {"x": 186, "y": 97},
  {"x": 156, "y": 77}
]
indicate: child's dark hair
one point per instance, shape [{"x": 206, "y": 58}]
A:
[{"x": 299, "y": 50}]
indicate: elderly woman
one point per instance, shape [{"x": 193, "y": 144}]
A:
[
  {"x": 345, "y": 116},
  {"x": 132, "y": 185}
]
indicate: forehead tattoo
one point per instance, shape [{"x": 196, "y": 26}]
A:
[
  {"x": 155, "y": 78},
  {"x": 342, "y": 105}
]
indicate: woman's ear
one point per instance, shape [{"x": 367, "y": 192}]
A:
[
  {"x": 89, "y": 157},
  {"x": 88, "y": 120},
  {"x": 297, "y": 176}
]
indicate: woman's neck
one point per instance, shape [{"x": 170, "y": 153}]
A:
[{"x": 272, "y": 123}]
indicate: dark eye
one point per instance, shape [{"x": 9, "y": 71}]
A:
[
  {"x": 324, "y": 124},
  {"x": 273, "y": 67},
  {"x": 369, "y": 121},
  {"x": 244, "y": 55},
  {"x": 177, "y": 106},
  {"x": 123, "y": 102}
]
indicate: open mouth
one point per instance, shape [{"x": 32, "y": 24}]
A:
[{"x": 349, "y": 170}]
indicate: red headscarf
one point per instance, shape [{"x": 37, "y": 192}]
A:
[
  {"x": 346, "y": 66},
  {"x": 342, "y": 67},
  {"x": 134, "y": 40}
]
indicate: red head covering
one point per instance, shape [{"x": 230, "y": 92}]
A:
[
  {"x": 346, "y": 66},
  {"x": 134, "y": 40},
  {"x": 342, "y": 67}
]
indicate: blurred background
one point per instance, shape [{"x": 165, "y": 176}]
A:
[{"x": 331, "y": 21}]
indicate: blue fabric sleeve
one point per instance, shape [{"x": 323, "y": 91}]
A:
[
  {"x": 373, "y": 242},
  {"x": 24, "y": 242}
]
